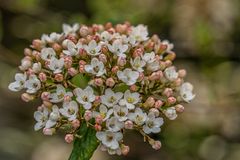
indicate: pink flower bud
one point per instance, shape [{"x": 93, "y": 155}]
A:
[
  {"x": 84, "y": 31},
  {"x": 27, "y": 97},
  {"x": 27, "y": 52},
  {"x": 158, "y": 104},
  {"x": 156, "y": 145},
  {"x": 179, "y": 108},
  {"x": 138, "y": 52},
  {"x": 98, "y": 127},
  {"x": 121, "y": 61},
  {"x": 141, "y": 76},
  {"x": 149, "y": 102},
  {"x": 168, "y": 63},
  {"x": 56, "y": 47},
  {"x": 125, "y": 150},
  {"x": 153, "y": 76},
  {"x": 75, "y": 123},
  {"x": 25, "y": 64},
  {"x": 72, "y": 38},
  {"x": 171, "y": 100},
  {"x": 133, "y": 88},
  {"x": 45, "y": 96},
  {"x": 121, "y": 28},
  {"x": 182, "y": 73},
  {"x": 81, "y": 69},
  {"x": 98, "y": 81},
  {"x": 97, "y": 99},
  {"x": 128, "y": 124},
  {"x": 42, "y": 76},
  {"x": 178, "y": 82},
  {"x": 110, "y": 82},
  {"x": 87, "y": 115},
  {"x": 115, "y": 69},
  {"x": 82, "y": 53},
  {"x": 69, "y": 138},
  {"x": 159, "y": 74},
  {"x": 58, "y": 77},
  {"x": 104, "y": 50},
  {"x": 67, "y": 98},
  {"x": 155, "y": 111},
  {"x": 103, "y": 58},
  {"x": 168, "y": 92},
  {"x": 99, "y": 119},
  {"x": 48, "y": 131},
  {"x": 68, "y": 61},
  {"x": 37, "y": 44},
  {"x": 72, "y": 71},
  {"x": 82, "y": 62}
]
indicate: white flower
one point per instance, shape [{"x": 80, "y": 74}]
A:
[
  {"x": 105, "y": 36},
  {"x": 154, "y": 66},
  {"x": 139, "y": 117},
  {"x": 96, "y": 67},
  {"x": 139, "y": 33},
  {"x": 53, "y": 37},
  {"x": 109, "y": 139},
  {"x": 170, "y": 46},
  {"x": 170, "y": 113},
  {"x": 114, "y": 125},
  {"x": 36, "y": 67},
  {"x": 47, "y": 53},
  {"x": 128, "y": 76},
  {"x": 138, "y": 64},
  {"x": 72, "y": 48},
  {"x": 93, "y": 48},
  {"x": 18, "y": 85},
  {"x": 110, "y": 98},
  {"x": 56, "y": 65},
  {"x": 118, "y": 48},
  {"x": 149, "y": 57},
  {"x": 186, "y": 92},
  {"x": 53, "y": 117},
  {"x": 33, "y": 84},
  {"x": 67, "y": 29},
  {"x": 104, "y": 112},
  {"x": 130, "y": 99},
  {"x": 120, "y": 112},
  {"x": 69, "y": 110},
  {"x": 41, "y": 117},
  {"x": 152, "y": 124},
  {"x": 59, "y": 95},
  {"x": 25, "y": 64},
  {"x": 170, "y": 73},
  {"x": 85, "y": 97}
]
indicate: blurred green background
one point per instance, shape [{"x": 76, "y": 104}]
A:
[{"x": 206, "y": 34}]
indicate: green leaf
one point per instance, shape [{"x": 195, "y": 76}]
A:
[
  {"x": 84, "y": 147},
  {"x": 121, "y": 87},
  {"x": 80, "y": 80}
]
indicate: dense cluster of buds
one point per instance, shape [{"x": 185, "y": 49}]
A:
[{"x": 114, "y": 78}]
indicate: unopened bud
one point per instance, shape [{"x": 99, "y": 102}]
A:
[
  {"x": 75, "y": 123},
  {"x": 171, "y": 100},
  {"x": 110, "y": 82},
  {"x": 149, "y": 102},
  {"x": 158, "y": 104},
  {"x": 128, "y": 124},
  {"x": 155, "y": 111},
  {"x": 115, "y": 69},
  {"x": 125, "y": 150},
  {"x": 49, "y": 131},
  {"x": 121, "y": 61},
  {"x": 27, "y": 52},
  {"x": 87, "y": 115},
  {"x": 72, "y": 71},
  {"x": 69, "y": 138},
  {"x": 45, "y": 96},
  {"x": 168, "y": 92},
  {"x": 182, "y": 73},
  {"x": 42, "y": 76},
  {"x": 179, "y": 108},
  {"x": 84, "y": 31},
  {"x": 98, "y": 127},
  {"x": 99, "y": 119},
  {"x": 27, "y": 97},
  {"x": 103, "y": 58},
  {"x": 58, "y": 77},
  {"x": 133, "y": 88}
]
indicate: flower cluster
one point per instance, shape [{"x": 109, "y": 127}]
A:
[{"x": 113, "y": 78}]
